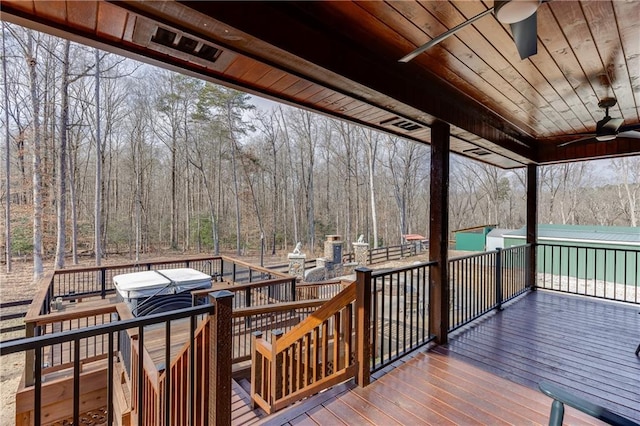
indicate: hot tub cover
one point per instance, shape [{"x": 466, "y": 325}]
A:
[{"x": 137, "y": 285}]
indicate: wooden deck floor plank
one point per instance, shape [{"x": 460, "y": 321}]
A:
[
  {"x": 323, "y": 416},
  {"x": 584, "y": 349},
  {"x": 303, "y": 420},
  {"x": 404, "y": 411},
  {"x": 560, "y": 358},
  {"x": 451, "y": 403},
  {"x": 580, "y": 339},
  {"x": 512, "y": 391},
  {"x": 534, "y": 371},
  {"x": 565, "y": 352},
  {"x": 440, "y": 403},
  {"x": 478, "y": 394},
  {"x": 368, "y": 410},
  {"x": 591, "y": 313},
  {"x": 524, "y": 401},
  {"x": 568, "y": 355},
  {"x": 244, "y": 419},
  {"x": 540, "y": 337},
  {"x": 346, "y": 413}
]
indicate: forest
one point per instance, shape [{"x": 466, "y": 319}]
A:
[{"x": 103, "y": 155}]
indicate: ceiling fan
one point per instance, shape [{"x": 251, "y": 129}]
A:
[
  {"x": 520, "y": 14},
  {"x": 608, "y": 128}
]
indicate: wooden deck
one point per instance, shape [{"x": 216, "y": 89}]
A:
[
  {"x": 488, "y": 373},
  {"x": 582, "y": 344}
]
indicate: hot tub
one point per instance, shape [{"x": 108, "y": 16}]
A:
[{"x": 162, "y": 290}]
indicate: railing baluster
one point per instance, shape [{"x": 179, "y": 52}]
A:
[
  {"x": 110, "y": 361},
  {"x": 192, "y": 389},
  {"x": 76, "y": 381},
  {"x": 498, "y": 277},
  {"x": 167, "y": 368},
  {"x": 37, "y": 393},
  {"x": 140, "y": 375}
]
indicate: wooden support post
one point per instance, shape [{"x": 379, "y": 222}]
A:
[
  {"x": 29, "y": 356},
  {"x": 532, "y": 224},
  {"x": 363, "y": 326},
  {"x": 276, "y": 380},
  {"x": 220, "y": 356},
  {"x": 439, "y": 233},
  {"x": 256, "y": 369}
]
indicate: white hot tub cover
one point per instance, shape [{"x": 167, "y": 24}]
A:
[{"x": 145, "y": 284}]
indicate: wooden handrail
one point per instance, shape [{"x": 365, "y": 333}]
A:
[
  {"x": 75, "y": 314},
  {"x": 264, "y": 348},
  {"x": 238, "y": 287},
  {"x": 325, "y": 312},
  {"x": 161, "y": 261},
  {"x": 43, "y": 287},
  {"x": 257, "y": 268},
  {"x": 277, "y": 307},
  {"x": 315, "y": 354}
]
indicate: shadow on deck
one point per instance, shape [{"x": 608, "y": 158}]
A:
[{"x": 489, "y": 371}]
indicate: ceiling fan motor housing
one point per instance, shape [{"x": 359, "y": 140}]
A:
[{"x": 512, "y": 11}]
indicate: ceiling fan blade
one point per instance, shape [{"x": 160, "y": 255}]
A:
[
  {"x": 585, "y": 138},
  {"x": 525, "y": 34},
  {"x": 443, "y": 36},
  {"x": 629, "y": 134},
  {"x": 612, "y": 125},
  {"x": 629, "y": 127}
]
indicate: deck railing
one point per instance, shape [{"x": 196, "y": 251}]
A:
[
  {"x": 316, "y": 354},
  {"x": 281, "y": 317},
  {"x": 60, "y": 356},
  {"x": 80, "y": 283},
  {"x": 480, "y": 283},
  {"x": 95, "y": 388},
  {"x": 145, "y": 389},
  {"x": 385, "y": 254},
  {"x": 10, "y": 314},
  {"x": 399, "y": 312},
  {"x": 257, "y": 293},
  {"x": 606, "y": 273},
  {"x": 181, "y": 387}
]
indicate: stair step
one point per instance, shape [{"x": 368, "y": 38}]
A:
[
  {"x": 121, "y": 396},
  {"x": 242, "y": 413},
  {"x": 246, "y": 386}
]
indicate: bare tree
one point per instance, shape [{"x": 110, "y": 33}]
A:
[
  {"x": 98, "y": 181},
  {"x": 305, "y": 128},
  {"x": 628, "y": 173},
  {"x": 62, "y": 160},
  {"x": 7, "y": 161},
  {"x": 371, "y": 144},
  {"x": 36, "y": 172},
  {"x": 407, "y": 163}
]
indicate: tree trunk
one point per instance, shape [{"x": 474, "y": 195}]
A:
[
  {"x": 37, "y": 175},
  {"x": 98, "y": 183},
  {"x": 62, "y": 160},
  {"x": 372, "y": 148},
  {"x": 7, "y": 161}
]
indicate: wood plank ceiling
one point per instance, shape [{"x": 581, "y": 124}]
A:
[{"x": 341, "y": 58}]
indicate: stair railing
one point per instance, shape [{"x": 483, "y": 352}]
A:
[{"x": 316, "y": 354}]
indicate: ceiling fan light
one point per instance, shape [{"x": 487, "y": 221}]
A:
[
  {"x": 511, "y": 11},
  {"x": 605, "y": 138}
]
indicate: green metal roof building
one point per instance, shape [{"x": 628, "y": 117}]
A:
[
  {"x": 472, "y": 239},
  {"x": 609, "y": 253}
]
